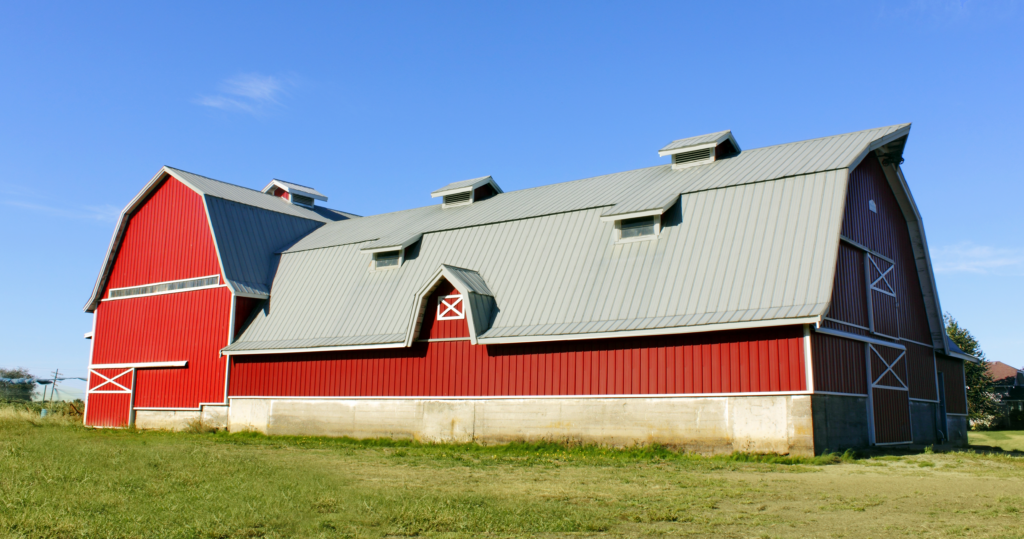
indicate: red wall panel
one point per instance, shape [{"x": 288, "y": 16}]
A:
[
  {"x": 442, "y": 329},
  {"x": 849, "y": 296},
  {"x": 838, "y": 365},
  {"x": 168, "y": 238},
  {"x": 891, "y": 415},
  {"x": 108, "y": 409},
  {"x": 243, "y": 308},
  {"x": 720, "y": 362},
  {"x": 953, "y": 375},
  {"x": 190, "y": 326},
  {"x": 921, "y": 369}
]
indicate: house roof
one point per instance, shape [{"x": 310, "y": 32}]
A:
[
  {"x": 1001, "y": 371},
  {"x": 249, "y": 229},
  {"x": 746, "y": 241}
]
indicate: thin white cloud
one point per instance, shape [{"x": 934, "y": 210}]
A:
[
  {"x": 91, "y": 213},
  {"x": 969, "y": 257},
  {"x": 251, "y": 93}
]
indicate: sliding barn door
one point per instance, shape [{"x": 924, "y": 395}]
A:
[
  {"x": 109, "y": 397},
  {"x": 888, "y": 395}
]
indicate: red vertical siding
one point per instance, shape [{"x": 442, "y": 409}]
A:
[
  {"x": 838, "y": 365},
  {"x": 278, "y": 192},
  {"x": 849, "y": 295},
  {"x": 921, "y": 369},
  {"x": 432, "y": 328},
  {"x": 168, "y": 238},
  {"x": 110, "y": 405},
  {"x": 891, "y": 416},
  {"x": 953, "y": 375},
  {"x": 720, "y": 362},
  {"x": 190, "y": 326}
]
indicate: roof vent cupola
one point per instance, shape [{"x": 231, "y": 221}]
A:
[
  {"x": 467, "y": 191},
  {"x": 700, "y": 150},
  {"x": 300, "y": 195}
]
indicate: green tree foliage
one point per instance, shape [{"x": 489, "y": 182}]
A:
[
  {"x": 982, "y": 406},
  {"x": 17, "y": 392}
]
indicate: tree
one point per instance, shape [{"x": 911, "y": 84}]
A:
[
  {"x": 981, "y": 403},
  {"x": 12, "y": 391}
]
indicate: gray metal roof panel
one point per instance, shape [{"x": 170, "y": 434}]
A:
[
  {"x": 624, "y": 192},
  {"x": 303, "y": 188},
  {"x": 722, "y": 255},
  {"x": 460, "y": 185},
  {"x": 249, "y": 240}
]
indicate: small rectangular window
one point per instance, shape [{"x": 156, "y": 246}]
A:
[
  {"x": 387, "y": 259},
  {"x": 641, "y": 226}
]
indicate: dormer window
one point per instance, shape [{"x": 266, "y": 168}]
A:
[
  {"x": 300, "y": 195},
  {"x": 700, "y": 150},
  {"x": 387, "y": 259},
  {"x": 638, "y": 227},
  {"x": 467, "y": 192}
]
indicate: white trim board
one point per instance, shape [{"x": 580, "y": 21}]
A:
[
  {"x": 507, "y": 397},
  {"x": 140, "y": 365},
  {"x": 321, "y": 349},
  {"x": 653, "y": 332},
  {"x": 861, "y": 338}
]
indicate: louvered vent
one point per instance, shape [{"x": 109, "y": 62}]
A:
[
  {"x": 689, "y": 157},
  {"x": 457, "y": 198},
  {"x": 299, "y": 199}
]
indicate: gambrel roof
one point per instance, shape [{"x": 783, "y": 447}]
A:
[
  {"x": 747, "y": 241},
  {"x": 249, "y": 228}
]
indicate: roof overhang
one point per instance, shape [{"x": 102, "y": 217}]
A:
[
  {"x": 611, "y": 215},
  {"x": 726, "y": 135},
  {"x": 392, "y": 246},
  {"x": 476, "y": 184},
  {"x": 291, "y": 188}
]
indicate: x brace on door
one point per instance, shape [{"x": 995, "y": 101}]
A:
[
  {"x": 890, "y": 368},
  {"x": 112, "y": 382}
]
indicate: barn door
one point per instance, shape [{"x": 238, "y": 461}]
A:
[
  {"x": 109, "y": 397},
  {"x": 883, "y": 309},
  {"x": 888, "y": 395}
]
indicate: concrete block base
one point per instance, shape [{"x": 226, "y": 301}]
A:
[
  {"x": 764, "y": 424},
  {"x": 177, "y": 420}
]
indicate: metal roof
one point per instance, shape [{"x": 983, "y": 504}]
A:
[
  {"x": 243, "y": 195},
  {"x": 697, "y": 141},
  {"x": 621, "y": 193},
  {"x": 746, "y": 253}
]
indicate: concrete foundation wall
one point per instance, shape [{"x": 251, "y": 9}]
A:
[
  {"x": 840, "y": 422},
  {"x": 210, "y": 416},
  {"x": 775, "y": 424}
]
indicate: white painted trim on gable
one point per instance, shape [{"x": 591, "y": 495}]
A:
[
  {"x": 808, "y": 359},
  {"x": 289, "y": 189}
]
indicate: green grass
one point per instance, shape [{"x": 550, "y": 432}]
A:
[
  {"x": 1007, "y": 440},
  {"x": 58, "y": 479}
]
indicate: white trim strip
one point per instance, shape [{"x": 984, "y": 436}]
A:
[
  {"x": 653, "y": 332},
  {"x": 506, "y": 397},
  {"x": 123, "y": 392},
  {"x": 322, "y": 349},
  {"x": 167, "y": 292},
  {"x": 454, "y": 339},
  {"x": 957, "y": 415},
  {"x": 879, "y": 386},
  {"x": 895, "y": 443},
  {"x": 861, "y": 338},
  {"x": 924, "y": 400},
  {"x": 846, "y": 323},
  {"x": 140, "y": 365},
  {"x": 931, "y": 346},
  {"x": 166, "y": 282}
]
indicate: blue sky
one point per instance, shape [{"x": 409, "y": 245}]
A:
[{"x": 377, "y": 104}]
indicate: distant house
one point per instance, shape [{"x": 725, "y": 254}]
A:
[
  {"x": 1009, "y": 391},
  {"x": 773, "y": 299}
]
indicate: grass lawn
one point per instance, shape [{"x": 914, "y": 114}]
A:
[
  {"x": 1007, "y": 440},
  {"x": 58, "y": 479}
]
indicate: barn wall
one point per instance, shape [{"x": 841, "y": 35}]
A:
[
  {"x": 110, "y": 406},
  {"x": 191, "y": 326},
  {"x": 720, "y": 362},
  {"x": 953, "y": 374},
  {"x": 838, "y": 365},
  {"x": 433, "y": 328},
  {"x": 168, "y": 238}
]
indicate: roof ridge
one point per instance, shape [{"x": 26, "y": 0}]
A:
[{"x": 216, "y": 180}]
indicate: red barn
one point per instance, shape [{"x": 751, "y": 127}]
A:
[{"x": 775, "y": 299}]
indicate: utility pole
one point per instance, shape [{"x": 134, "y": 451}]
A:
[{"x": 54, "y": 388}]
